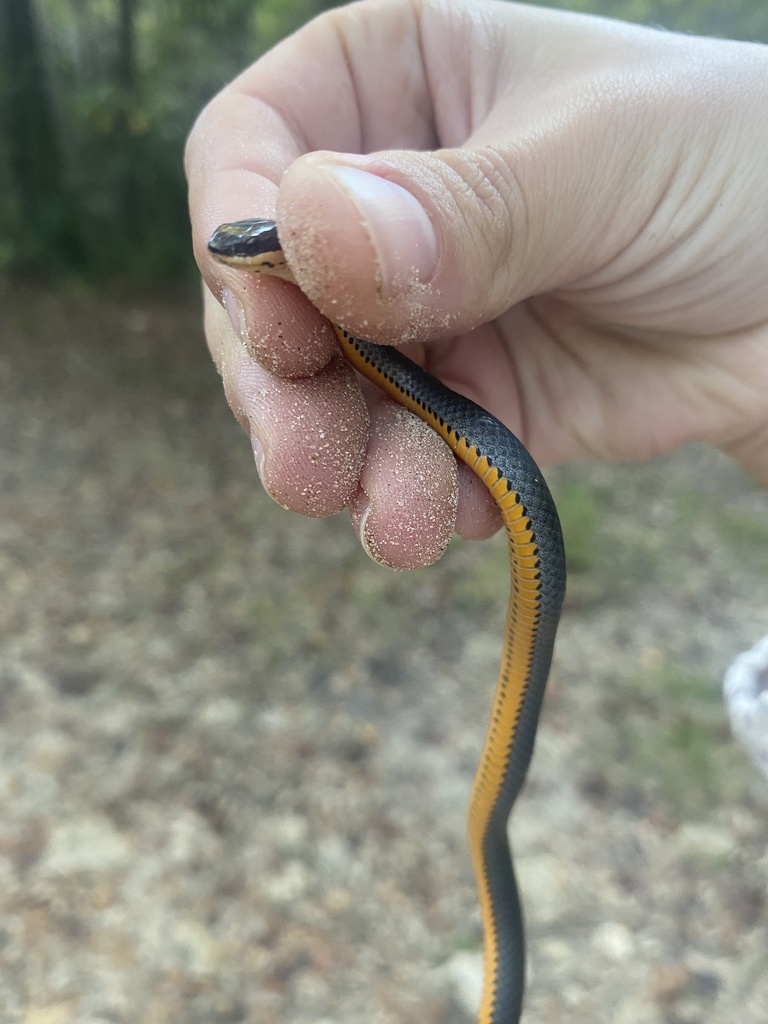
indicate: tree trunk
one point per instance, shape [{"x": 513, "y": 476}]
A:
[
  {"x": 127, "y": 92},
  {"x": 34, "y": 157}
]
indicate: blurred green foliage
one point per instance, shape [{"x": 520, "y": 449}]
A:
[
  {"x": 668, "y": 743},
  {"x": 97, "y": 96},
  {"x": 736, "y": 19},
  {"x": 121, "y": 81}
]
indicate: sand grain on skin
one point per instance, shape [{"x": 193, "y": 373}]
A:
[
  {"x": 316, "y": 446},
  {"x": 284, "y": 332},
  {"x": 343, "y": 292},
  {"x": 410, "y": 491}
]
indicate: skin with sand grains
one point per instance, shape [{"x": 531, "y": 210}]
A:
[{"x": 571, "y": 226}]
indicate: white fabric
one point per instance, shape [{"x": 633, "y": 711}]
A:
[{"x": 746, "y": 693}]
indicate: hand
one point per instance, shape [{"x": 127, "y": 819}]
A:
[{"x": 563, "y": 217}]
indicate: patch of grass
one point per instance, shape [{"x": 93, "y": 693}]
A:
[
  {"x": 746, "y": 534},
  {"x": 608, "y": 548},
  {"x": 672, "y": 742},
  {"x": 678, "y": 686},
  {"x": 580, "y": 508},
  {"x": 713, "y": 520},
  {"x": 479, "y": 575}
]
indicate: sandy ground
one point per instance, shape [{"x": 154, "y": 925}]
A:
[{"x": 235, "y": 755}]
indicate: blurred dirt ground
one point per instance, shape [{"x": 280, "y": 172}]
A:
[{"x": 235, "y": 755}]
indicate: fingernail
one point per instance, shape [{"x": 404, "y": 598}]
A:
[
  {"x": 258, "y": 455},
  {"x": 361, "y": 512},
  {"x": 401, "y": 232},
  {"x": 362, "y": 533},
  {"x": 235, "y": 313}
]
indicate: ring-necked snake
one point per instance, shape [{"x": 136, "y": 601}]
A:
[{"x": 537, "y": 565}]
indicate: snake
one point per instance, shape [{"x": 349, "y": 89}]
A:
[{"x": 537, "y": 588}]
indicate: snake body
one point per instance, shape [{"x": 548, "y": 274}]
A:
[{"x": 537, "y": 586}]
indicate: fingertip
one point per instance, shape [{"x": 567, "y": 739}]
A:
[
  {"x": 324, "y": 242},
  {"x": 284, "y": 332},
  {"x": 402, "y": 245},
  {"x": 396, "y": 226},
  {"x": 361, "y": 245},
  {"x": 309, "y": 436},
  {"x": 405, "y": 509},
  {"x": 318, "y": 440}
]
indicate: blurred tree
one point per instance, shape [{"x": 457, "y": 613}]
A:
[
  {"x": 737, "y": 19},
  {"x": 37, "y": 207},
  {"x": 97, "y": 96},
  {"x": 127, "y": 101}
]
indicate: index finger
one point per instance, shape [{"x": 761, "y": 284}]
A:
[{"x": 318, "y": 89}]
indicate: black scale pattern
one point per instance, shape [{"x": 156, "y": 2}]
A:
[
  {"x": 506, "y": 452},
  {"x": 253, "y": 240}
]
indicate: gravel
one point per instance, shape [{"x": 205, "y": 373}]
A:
[{"x": 235, "y": 755}]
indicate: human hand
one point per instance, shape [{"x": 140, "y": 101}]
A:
[{"x": 562, "y": 217}]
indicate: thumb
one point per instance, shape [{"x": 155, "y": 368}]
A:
[{"x": 422, "y": 244}]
